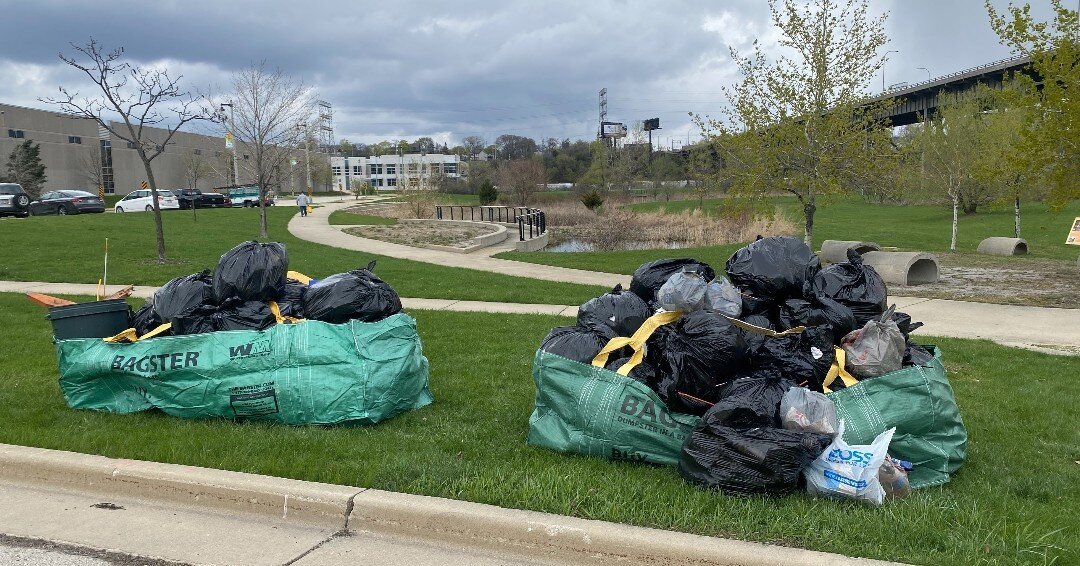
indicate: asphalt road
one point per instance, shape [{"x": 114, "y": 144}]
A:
[{"x": 18, "y": 551}]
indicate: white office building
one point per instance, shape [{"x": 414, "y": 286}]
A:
[{"x": 387, "y": 172}]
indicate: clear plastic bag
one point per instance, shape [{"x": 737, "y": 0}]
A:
[
  {"x": 683, "y": 291},
  {"x": 722, "y": 297},
  {"x": 875, "y": 349},
  {"x": 894, "y": 478},
  {"x": 850, "y": 471},
  {"x": 806, "y": 410}
]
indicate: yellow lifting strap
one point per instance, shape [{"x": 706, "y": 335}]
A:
[
  {"x": 837, "y": 370},
  {"x": 299, "y": 277},
  {"x": 636, "y": 342},
  {"x": 129, "y": 334},
  {"x": 282, "y": 319}
]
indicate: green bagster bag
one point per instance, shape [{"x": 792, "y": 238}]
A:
[
  {"x": 585, "y": 409},
  {"x": 306, "y": 373},
  {"x": 919, "y": 402}
]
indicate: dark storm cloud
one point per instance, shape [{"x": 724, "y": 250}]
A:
[{"x": 407, "y": 69}]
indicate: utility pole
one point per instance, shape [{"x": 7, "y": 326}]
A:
[
  {"x": 307, "y": 154},
  {"x": 232, "y": 132}
]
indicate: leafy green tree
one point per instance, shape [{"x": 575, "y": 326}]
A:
[
  {"x": 473, "y": 145},
  {"x": 24, "y": 167},
  {"x": 592, "y": 199},
  {"x": 799, "y": 124},
  {"x": 1051, "y": 140},
  {"x": 488, "y": 193}
]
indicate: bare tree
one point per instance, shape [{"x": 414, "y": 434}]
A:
[
  {"x": 151, "y": 105},
  {"x": 195, "y": 167},
  {"x": 522, "y": 179},
  {"x": 271, "y": 118},
  {"x": 88, "y": 163}
]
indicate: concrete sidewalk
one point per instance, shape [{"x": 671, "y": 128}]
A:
[
  {"x": 1055, "y": 331},
  {"x": 203, "y": 516},
  {"x": 316, "y": 228}
]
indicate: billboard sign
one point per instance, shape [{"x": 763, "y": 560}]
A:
[{"x": 613, "y": 129}]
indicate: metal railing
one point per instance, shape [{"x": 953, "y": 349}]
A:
[{"x": 523, "y": 216}]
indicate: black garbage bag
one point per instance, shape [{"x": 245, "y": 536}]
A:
[
  {"x": 251, "y": 272},
  {"x": 752, "y": 305},
  {"x": 643, "y": 373},
  {"x": 903, "y": 322},
  {"x": 244, "y": 315},
  {"x": 291, "y": 302},
  {"x": 916, "y": 355},
  {"x": 774, "y": 268},
  {"x": 575, "y": 343},
  {"x": 702, "y": 351},
  {"x": 749, "y": 402},
  {"x": 649, "y": 277},
  {"x": 620, "y": 311},
  {"x": 198, "y": 321},
  {"x": 145, "y": 319},
  {"x": 753, "y": 339},
  {"x": 817, "y": 311},
  {"x": 804, "y": 358},
  {"x": 183, "y": 295},
  {"x": 748, "y": 461},
  {"x": 357, "y": 294},
  {"x": 855, "y": 285}
]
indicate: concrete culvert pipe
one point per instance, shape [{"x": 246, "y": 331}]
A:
[
  {"x": 904, "y": 268},
  {"x": 998, "y": 245},
  {"x": 835, "y": 251}
]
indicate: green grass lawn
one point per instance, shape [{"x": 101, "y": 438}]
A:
[
  {"x": 343, "y": 218},
  {"x": 1013, "y": 502},
  {"x": 914, "y": 227},
  {"x": 70, "y": 249}
]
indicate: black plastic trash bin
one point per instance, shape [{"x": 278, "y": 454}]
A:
[{"x": 99, "y": 319}]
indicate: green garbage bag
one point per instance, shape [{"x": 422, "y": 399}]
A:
[
  {"x": 919, "y": 402},
  {"x": 590, "y": 410},
  {"x": 306, "y": 373}
]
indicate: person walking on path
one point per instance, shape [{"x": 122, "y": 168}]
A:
[{"x": 302, "y": 201}]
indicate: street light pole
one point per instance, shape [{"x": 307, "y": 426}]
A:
[
  {"x": 883, "y": 59},
  {"x": 232, "y": 131},
  {"x": 927, "y": 72}
]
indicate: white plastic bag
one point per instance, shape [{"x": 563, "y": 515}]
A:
[
  {"x": 684, "y": 291},
  {"x": 722, "y": 297},
  {"x": 809, "y": 411},
  {"x": 850, "y": 471},
  {"x": 875, "y": 349}
]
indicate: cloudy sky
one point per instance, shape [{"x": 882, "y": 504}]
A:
[{"x": 405, "y": 69}]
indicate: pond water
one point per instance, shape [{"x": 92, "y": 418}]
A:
[{"x": 574, "y": 245}]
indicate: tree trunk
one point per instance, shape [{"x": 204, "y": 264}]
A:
[
  {"x": 1016, "y": 209},
  {"x": 809, "y": 208},
  {"x": 157, "y": 209},
  {"x": 263, "y": 233},
  {"x": 955, "y": 209}
]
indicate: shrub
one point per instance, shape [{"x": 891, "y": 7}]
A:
[
  {"x": 592, "y": 199},
  {"x": 487, "y": 193}
]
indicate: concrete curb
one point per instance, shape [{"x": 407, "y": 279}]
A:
[{"x": 432, "y": 518}]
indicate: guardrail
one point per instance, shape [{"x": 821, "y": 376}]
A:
[{"x": 523, "y": 216}]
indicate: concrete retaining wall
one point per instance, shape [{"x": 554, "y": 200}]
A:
[
  {"x": 903, "y": 268},
  {"x": 533, "y": 244},
  {"x": 997, "y": 245}
]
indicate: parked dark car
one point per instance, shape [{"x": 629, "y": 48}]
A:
[
  {"x": 187, "y": 197},
  {"x": 66, "y": 202},
  {"x": 14, "y": 201}
]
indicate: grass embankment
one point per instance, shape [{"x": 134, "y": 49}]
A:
[
  {"x": 70, "y": 249},
  {"x": 1010, "y": 504},
  {"x": 911, "y": 227}
]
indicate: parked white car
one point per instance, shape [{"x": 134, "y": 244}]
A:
[{"x": 137, "y": 201}]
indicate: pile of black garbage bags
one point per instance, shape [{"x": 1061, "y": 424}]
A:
[
  {"x": 251, "y": 276},
  {"x": 706, "y": 363}
]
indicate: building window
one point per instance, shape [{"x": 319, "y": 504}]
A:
[
  {"x": 198, "y": 152},
  {"x": 377, "y": 182},
  {"x": 15, "y": 133},
  {"x": 358, "y": 170},
  {"x": 131, "y": 145},
  {"x": 391, "y": 182},
  {"x": 434, "y": 168},
  {"x": 74, "y": 139},
  {"x": 107, "y": 167},
  {"x": 337, "y": 170},
  {"x": 391, "y": 169},
  {"x": 450, "y": 168}
]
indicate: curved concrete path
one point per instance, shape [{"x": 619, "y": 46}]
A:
[{"x": 316, "y": 227}]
